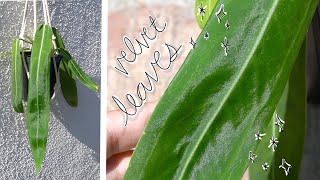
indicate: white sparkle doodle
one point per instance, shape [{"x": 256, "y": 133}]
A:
[
  {"x": 252, "y": 157},
  {"x": 265, "y": 166},
  {"x": 259, "y": 136},
  {"x": 193, "y": 43},
  {"x": 273, "y": 143},
  {"x": 206, "y": 35},
  {"x": 280, "y": 123},
  {"x": 285, "y": 166},
  {"x": 225, "y": 46},
  {"x": 227, "y": 25},
  {"x": 201, "y": 10},
  {"x": 220, "y": 14}
]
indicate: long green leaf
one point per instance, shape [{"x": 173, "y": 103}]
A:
[
  {"x": 77, "y": 71},
  {"x": 204, "y": 124},
  {"x": 265, "y": 154},
  {"x": 38, "y": 107},
  {"x": 292, "y": 109},
  {"x": 68, "y": 83},
  {"x": 16, "y": 77},
  {"x": 295, "y": 118}
]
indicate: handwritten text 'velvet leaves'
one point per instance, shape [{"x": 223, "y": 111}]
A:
[{"x": 134, "y": 52}]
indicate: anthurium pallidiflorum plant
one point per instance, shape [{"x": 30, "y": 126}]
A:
[{"x": 44, "y": 63}]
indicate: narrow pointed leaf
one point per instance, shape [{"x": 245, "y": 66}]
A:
[
  {"x": 291, "y": 109},
  {"x": 68, "y": 83},
  {"x": 38, "y": 107},
  {"x": 295, "y": 122},
  {"x": 16, "y": 77},
  {"x": 266, "y": 155},
  {"x": 77, "y": 71},
  {"x": 204, "y": 125},
  {"x": 59, "y": 41}
]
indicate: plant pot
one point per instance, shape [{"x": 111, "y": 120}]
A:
[{"x": 53, "y": 79}]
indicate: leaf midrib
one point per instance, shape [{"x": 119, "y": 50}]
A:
[
  {"x": 242, "y": 70},
  {"x": 82, "y": 76},
  {"x": 38, "y": 67}
]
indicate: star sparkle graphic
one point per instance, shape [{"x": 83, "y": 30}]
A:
[
  {"x": 280, "y": 123},
  {"x": 285, "y": 166},
  {"x": 259, "y": 136},
  {"x": 202, "y": 10},
  {"x": 252, "y": 157},
  {"x": 221, "y": 13},
  {"x": 193, "y": 43},
  {"x": 225, "y": 46},
  {"x": 227, "y": 25},
  {"x": 273, "y": 143},
  {"x": 265, "y": 166},
  {"x": 206, "y": 35}
]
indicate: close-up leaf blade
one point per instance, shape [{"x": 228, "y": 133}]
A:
[
  {"x": 38, "y": 107},
  {"x": 16, "y": 77},
  {"x": 204, "y": 124},
  {"x": 77, "y": 71},
  {"x": 291, "y": 109},
  {"x": 68, "y": 83},
  {"x": 295, "y": 119}
]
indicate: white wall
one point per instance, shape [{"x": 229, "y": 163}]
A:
[{"x": 73, "y": 146}]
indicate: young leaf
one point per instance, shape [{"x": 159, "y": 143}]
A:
[
  {"x": 291, "y": 109},
  {"x": 38, "y": 107},
  {"x": 68, "y": 83},
  {"x": 77, "y": 71},
  {"x": 16, "y": 77},
  {"x": 226, "y": 90}
]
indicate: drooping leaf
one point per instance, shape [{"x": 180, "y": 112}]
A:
[
  {"x": 16, "y": 77},
  {"x": 265, "y": 154},
  {"x": 291, "y": 109},
  {"x": 204, "y": 124},
  {"x": 207, "y": 6},
  {"x": 295, "y": 118},
  {"x": 77, "y": 71},
  {"x": 68, "y": 83},
  {"x": 38, "y": 107}
]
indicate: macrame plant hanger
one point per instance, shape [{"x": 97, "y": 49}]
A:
[
  {"x": 47, "y": 20},
  {"x": 22, "y": 38}
]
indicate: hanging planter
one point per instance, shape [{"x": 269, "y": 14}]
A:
[
  {"x": 54, "y": 59},
  {"x": 39, "y": 67}
]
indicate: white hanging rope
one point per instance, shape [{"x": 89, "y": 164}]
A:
[
  {"x": 47, "y": 12},
  {"x": 21, "y": 36},
  {"x": 48, "y": 21},
  {"x": 44, "y": 12},
  {"x": 23, "y": 25},
  {"x": 34, "y": 17}
]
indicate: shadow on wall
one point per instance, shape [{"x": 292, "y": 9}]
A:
[{"x": 83, "y": 122}]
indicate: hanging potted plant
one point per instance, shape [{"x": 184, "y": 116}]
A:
[{"x": 39, "y": 66}]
